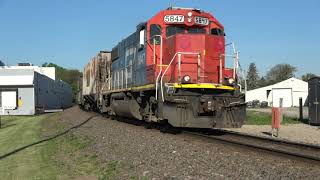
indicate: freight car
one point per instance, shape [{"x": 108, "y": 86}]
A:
[
  {"x": 170, "y": 70},
  {"x": 96, "y": 82}
]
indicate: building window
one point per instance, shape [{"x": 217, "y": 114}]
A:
[{"x": 268, "y": 93}]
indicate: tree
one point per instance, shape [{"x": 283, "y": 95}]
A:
[
  {"x": 1, "y": 63},
  {"x": 252, "y": 77},
  {"x": 307, "y": 76},
  {"x": 70, "y": 76},
  {"x": 262, "y": 82},
  {"x": 280, "y": 72}
]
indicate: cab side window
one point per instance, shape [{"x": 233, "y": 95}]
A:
[
  {"x": 155, "y": 29},
  {"x": 217, "y": 32}
]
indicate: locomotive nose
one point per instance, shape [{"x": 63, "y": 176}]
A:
[{"x": 199, "y": 59}]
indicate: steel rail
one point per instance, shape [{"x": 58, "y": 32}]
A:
[
  {"x": 307, "y": 145},
  {"x": 289, "y": 144}
]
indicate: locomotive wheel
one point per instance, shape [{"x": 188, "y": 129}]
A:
[{"x": 147, "y": 125}]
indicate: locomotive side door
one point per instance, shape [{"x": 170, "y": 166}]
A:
[{"x": 155, "y": 42}]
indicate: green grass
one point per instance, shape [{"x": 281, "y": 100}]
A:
[
  {"x": 260, "y": 118},
  {"x": 110, "y": 171},
  {"x": 62, "y": 158},
  {"x": 15, "y": 132}
]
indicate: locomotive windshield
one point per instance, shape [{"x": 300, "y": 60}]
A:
[
  {"x": 196, "y": 31},
  {"x": 172, "y": 30}
]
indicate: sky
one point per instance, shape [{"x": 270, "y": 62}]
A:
[{"x": 70, "y": 32}]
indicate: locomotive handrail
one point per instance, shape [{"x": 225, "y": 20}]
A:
[
  {"x": 179, "y": 61},
  {"x": 235, "y": 58}
]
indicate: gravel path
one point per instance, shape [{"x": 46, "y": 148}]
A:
[
  {"x": 294, "y": 132},
  {"x": 135, "y": 152}
]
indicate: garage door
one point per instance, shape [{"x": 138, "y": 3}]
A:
[
  {"x": 285, "y": 94},
  {"x": 9, "y": 99}
]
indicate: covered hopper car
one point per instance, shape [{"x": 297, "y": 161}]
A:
[{"x": 170, "y": 70}]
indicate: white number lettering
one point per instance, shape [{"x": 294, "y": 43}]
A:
[
  {"x": 201, "y": 20},
  {"x": 173, "y": 19}
]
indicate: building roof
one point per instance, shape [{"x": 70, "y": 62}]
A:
[
  {"x": 14, "y": 77},
  {"x": 289, "y": 83},
  {"x": 47, "y": 71}
]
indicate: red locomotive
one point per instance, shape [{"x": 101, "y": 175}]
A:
[{"x": 170, "y": 70}]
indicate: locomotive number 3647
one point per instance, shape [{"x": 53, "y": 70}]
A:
[{"x": 174, "y": 18}]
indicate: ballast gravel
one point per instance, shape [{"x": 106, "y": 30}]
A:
[{"x": 134, "y": 152}]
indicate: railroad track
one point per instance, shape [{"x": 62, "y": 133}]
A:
[{"x": 282, "y": 147}]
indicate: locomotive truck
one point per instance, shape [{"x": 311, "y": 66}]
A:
[{"x": 170, "y": 70}]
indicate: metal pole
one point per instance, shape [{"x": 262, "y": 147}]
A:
[{"x": 300, "y": 109}]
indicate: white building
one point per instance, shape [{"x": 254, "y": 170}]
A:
[
  {"x": 27, "y": 90},
  {"x": 47, "y": 71},
  {"x": 289, "y": 90}
]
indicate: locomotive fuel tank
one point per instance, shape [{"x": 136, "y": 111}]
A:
[{"x": 125, "y": 106}]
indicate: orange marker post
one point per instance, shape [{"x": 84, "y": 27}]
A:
[{"x": 276, "y": 119}]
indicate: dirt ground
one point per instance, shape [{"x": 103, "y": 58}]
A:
[
  {"x": 133, "y": 152},
  {"x": 294, "y": 132}
]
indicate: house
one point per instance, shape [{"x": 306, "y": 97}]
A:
[
  {"x": 27, "y": 90},
  {"x": 289, "y": 90}
]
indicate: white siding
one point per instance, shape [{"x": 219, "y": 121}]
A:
[
  {"x": 285, "y": 94},
  {"x": 298, "y": 88}
]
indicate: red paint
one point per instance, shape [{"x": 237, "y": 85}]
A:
[
  {"x": 276, "y": 117},
  {"x": 211, "y": 48}
]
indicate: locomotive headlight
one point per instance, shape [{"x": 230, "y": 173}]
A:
[
  {"x": 230, "y": 80},
  {"x": 189, "y": 14},
  {"x": 186, "y": 79}
]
